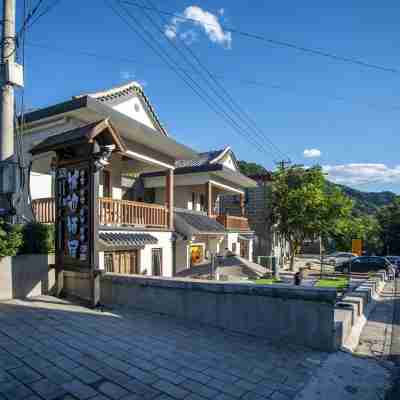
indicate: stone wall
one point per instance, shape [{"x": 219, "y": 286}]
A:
[
  {"x": 279, "y": 313},
  {"x": 26, "y": 275}
]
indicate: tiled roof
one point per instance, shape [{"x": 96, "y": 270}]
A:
[
  {"x": 198, "y": 222},
  {"x": 78, "y": 135},
  {"x": 204, "y": 159},
  {"x": 126, "y": 239},
  {"x": 127, "y": 91}
]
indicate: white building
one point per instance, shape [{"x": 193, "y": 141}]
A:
[{"x": 155, "y": 206}]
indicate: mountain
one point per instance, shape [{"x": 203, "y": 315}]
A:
[{"x": 366, "y": 203}]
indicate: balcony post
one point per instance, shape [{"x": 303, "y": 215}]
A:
[
  {"x": 241, "y": 200},
  {"x": 169, "y": 197},
  {"x": 209, "y": 199}
]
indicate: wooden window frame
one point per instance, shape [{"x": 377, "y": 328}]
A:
[{"x": 154, "y": 250}]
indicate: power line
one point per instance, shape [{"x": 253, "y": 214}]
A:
[
  {"x": 230, "y": 102},
  {"x": 280, "y": 43},
  {"x": 245, "y": 82},
  {"x": 185, "y": 77}
]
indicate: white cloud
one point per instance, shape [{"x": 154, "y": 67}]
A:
[
  {"x": 206, "y": 21},
  {"x": 311, "y": 153},
  {"x": 355, "y": 174}
]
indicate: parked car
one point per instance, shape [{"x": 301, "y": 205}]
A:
[
  {"x": 364, "y": 264},
  {"x": 395, "y": 260},
  {"x": 339, "y": 257}
]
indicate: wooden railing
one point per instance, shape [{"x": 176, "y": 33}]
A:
[
  {"x": 234, "y": 222},
  {"x": 44, "y": 210},
  {"x": 111, "y": 212},
  {"x": 124, "y": 212}
]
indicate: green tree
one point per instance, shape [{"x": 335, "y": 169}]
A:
[
  {"x": 303, "y": 208},
  {"x": 389, "y": 221},
  {"x": 251, "y": 168},
  {"x": 365, "y": 228}
]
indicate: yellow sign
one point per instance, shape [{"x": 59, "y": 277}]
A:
[{"x": 356, "y": 246}]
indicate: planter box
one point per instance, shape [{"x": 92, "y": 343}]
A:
[{"x": 26, "y": 275}]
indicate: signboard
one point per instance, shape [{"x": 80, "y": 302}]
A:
[
  {"x": 73, "y": 212},
  {"x": 356, "y": 246}
]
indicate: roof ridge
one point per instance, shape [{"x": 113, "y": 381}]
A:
[{"x": 112, "y": 91}]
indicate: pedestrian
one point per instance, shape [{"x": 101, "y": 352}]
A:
[{"x": 298, "y": 276}]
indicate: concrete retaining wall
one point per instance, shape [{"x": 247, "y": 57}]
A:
[
  {"x": 77, "y": 284},
  {"x": 26, "y": 275},
  {"x": 352, "y": 311},
  {"x": 278, "y": 313}
]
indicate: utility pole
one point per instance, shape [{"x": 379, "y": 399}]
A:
[
  {"x": 283, "y": 164},
  {"x": 8, "y": 51},
  {"x": 11, "y": 74}
]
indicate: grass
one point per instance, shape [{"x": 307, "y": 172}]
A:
[
  {"x": 337, "y": 283},
  {"x": 267, "y": 281}
]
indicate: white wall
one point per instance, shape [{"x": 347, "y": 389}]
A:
[
  {"x": 134, "y": 108},
  {"x": 227, "y": 162},
  {"x": 41, "y": 186},
  {"x": 164, "y": 242}
]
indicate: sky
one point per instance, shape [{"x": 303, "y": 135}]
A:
[{"x": 315, "y": 110}]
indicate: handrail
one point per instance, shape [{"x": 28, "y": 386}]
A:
[{"x": 111, "y": 212}]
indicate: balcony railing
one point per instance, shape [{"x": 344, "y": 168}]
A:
[
  {"x": 111, "y": 212},
  {"x": 124, "y": 212},
  {"x": 44, "y": 210},
  {"x": 232, "y": 222}
]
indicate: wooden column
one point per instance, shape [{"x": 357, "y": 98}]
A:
[
  {"x": 241, "y": 199},
  {"x": 209, "y": 199},
  {"x": 169, "y": 197}
]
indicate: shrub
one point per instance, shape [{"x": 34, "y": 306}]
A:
[
  {"x": 11, "y": 239},
  {"x": 37, "y": 238}
]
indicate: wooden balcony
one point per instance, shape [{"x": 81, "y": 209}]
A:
[
  {"x": 111, "y": 212},
  {"x": 44, "y": 210},
  {"x": 124, "y": 212},
  {"x": 234, "y": 223}
]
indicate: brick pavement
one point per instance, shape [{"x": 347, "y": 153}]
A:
[{"x": 55, "y": 350}]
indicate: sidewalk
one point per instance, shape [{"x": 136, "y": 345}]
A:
[{"x": 366, "y": 374}]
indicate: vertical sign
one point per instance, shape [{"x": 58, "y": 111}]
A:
[{"x": 356, "y": 246}]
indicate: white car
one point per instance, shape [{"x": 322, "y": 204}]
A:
[{"x": 339, "y": 257}]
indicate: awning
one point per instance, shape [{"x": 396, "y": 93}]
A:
[
  {"x": 124, "y": 240},
  {"x": 192, "y": 223}
]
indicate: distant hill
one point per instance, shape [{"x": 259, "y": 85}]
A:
[{"x": 364, "y": 202}]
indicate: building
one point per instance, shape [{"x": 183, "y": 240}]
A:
[
  {"x": 201, "y": 227},
  {"x": 257, "y": 208},
  {"x": 141, "y": 227}
]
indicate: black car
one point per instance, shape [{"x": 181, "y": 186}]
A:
[{"x": 364, "y": 264}]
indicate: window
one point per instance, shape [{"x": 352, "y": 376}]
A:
[
  {"x": 193, "y": 201},
  {"x": 156, "y": 261},
  {"x": 122, "y": 262},
  {"x": 202, "y": 202},
  {"x": 106, "y": 183}
]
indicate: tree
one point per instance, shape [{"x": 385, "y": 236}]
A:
[
  {"x": 363, "y": 227},
  {"x": 389, "y": 221},
  {"x": 251, "y": 168},
  {"x": 303, "y": 208}
]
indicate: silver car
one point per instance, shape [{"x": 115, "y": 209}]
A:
[{"x": 339, "y": 257}]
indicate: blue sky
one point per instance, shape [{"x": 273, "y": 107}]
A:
[{"x": 295, "y": 101}]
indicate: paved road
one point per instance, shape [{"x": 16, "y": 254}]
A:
[{"x": 394, "y": 394}]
